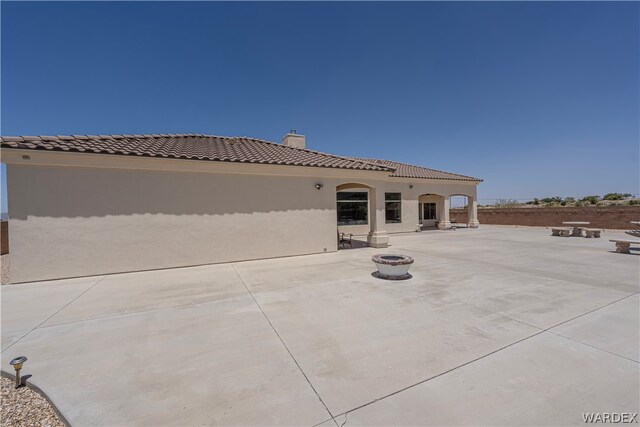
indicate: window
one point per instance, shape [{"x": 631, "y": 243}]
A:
[
  {"x": 353, "y": 207},
  {"x": 429, "y": 211},
  {"x": 392, "y": 208}
]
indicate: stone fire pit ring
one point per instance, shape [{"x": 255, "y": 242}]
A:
[{"x": 392, "y": 266}]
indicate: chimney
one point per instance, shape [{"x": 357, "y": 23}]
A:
[{"x": 292, "y": 139}]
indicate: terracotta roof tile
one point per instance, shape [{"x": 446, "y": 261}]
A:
[
  {"x": 404, "y": 170},
  {"x": 191, "y": 146}
]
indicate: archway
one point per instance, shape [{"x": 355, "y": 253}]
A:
[
  {"x": 430, "y": 210},
  {"x": 463, "y": 210},
  {"x": 359, "y": 208},
  {"x": 434, "y": 211}
]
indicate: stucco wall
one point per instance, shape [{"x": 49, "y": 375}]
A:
[
  {"x": 68, "y": 222},
  {"x": 411, "y": 196},
  {"x": 610, "y": 217},
  {"x": 77, "y": 215},
  {"x": 408, "y": 212}
]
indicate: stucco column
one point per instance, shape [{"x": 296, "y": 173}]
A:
[
  {"x": 472, "y": 212},
  {"x": 445, "y": 204},
  {"x": 377, "y": 237}
]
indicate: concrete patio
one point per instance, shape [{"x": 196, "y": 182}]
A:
[{"x": 498, "y": 326}]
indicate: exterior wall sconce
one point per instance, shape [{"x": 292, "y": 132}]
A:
[
  {"x": 17, "y": 365},
  {"x": 319, "y": 186},
  {"x": 410, "y": 185}
]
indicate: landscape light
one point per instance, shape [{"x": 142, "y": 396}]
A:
[{"x": 17, "y": 365}]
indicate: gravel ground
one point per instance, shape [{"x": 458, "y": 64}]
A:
[
  {"x": 4, "y": 260},
  {"x": 25, "y": 407}
]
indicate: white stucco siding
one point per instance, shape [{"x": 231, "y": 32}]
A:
[
  {"x": 70, "y": 221},
  {"x": 410, "y": 202}
]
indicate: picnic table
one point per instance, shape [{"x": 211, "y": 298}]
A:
[
  {"x": 576, "y": 226},
  {"x": 634, "y": 233}
]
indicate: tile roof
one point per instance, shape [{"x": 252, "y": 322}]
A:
[
  {"x": 218, "y": 148},
  {"x": 190, "y": 146},
  {"x": 404, "y": 170}
]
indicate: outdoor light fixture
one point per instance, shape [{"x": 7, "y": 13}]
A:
[
  {"x": 17, "y": 365},
  {"x": 319, "y": 186},
  {"x": 410, "y": 185}
]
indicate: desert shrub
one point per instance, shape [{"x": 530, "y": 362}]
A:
[
  {"x": 590, "y": 199},
  {"x": 616, "y": 196},
  {"x": 551, "y": 200},
  {"x": 506, "y": 203}
]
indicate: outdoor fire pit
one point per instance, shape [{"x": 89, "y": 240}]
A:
[{"x": 393, "y": 267}]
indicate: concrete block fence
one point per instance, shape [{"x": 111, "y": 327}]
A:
[{"x": 609, "y": 217}]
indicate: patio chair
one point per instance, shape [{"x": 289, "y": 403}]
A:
[{"x": 344, "y": 239}]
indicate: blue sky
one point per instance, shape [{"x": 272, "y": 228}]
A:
[{"x": 538, "y": 99}]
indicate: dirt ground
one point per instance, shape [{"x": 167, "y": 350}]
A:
[{"x": 4, "y": 260}]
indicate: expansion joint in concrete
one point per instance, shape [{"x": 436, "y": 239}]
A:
[
  {"x": 283, "y": 343},
  {"x": 47, "y": 319},
  {"x": 541, "y": 331}
]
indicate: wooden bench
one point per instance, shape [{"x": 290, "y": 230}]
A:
[
  {"x": 624, "y": 246},
  {"x": 561, "y": 231},
  {"x": 591, "y": 232}
]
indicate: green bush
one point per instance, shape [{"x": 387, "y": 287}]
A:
[
  {"x": 549, "y": 200},
  {"x": 506, "y": 203},
  {"x": 590, "y": 199},
  {"x": 616, "y": 196}
]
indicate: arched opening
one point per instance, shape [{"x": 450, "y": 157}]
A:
[
  {"x": 447, "y": 211},
  {"x": 458, "y": 210},
  {"x": 430, "y": 210},
  {"x": 360, "y": 212},
  {"x": 464, "y": 210},
  {"x": 351, "y": 185},
  {"x": 353, "y": 214}
]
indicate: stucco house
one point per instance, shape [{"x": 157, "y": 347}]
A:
[{"x": 87, "y": 205}]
